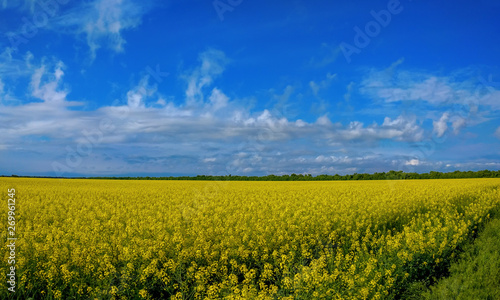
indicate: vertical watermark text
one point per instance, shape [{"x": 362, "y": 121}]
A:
[{"x": 11, "y": 240}]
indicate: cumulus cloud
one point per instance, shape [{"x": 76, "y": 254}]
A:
[
  {"x": 400, "y": 129},
  {"x": 404, "y": 128},
  {"x": 212, "y": 64},
  {"x": 324, "y": 121},
  {"x": 412, "y": 162},
  {"x": 217, "y": 100},
  {"x": 441, "y": 125},
  {"x": 136, "y": 97}
]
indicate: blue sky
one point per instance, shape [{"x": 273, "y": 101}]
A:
[{"x": 150, "y": 88}]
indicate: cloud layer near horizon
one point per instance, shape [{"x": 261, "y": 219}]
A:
[{"x": 208, "y": 132}]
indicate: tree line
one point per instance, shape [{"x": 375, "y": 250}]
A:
[{"x": 391, "y": 175}]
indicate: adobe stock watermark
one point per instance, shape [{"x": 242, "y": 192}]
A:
[
  {"x": 363, "y": 36},
  {"x": 223, "y": 6},
  {"x": 45, "y": 9},
  {"x": 90, "y": 139},
  {"x": 489, "y": 84},
  {"x": 11, "y": 239}
]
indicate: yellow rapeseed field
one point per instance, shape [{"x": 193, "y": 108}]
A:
[{"x": 104, "y": 239}]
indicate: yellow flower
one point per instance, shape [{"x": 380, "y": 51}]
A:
[{"x": 239, "y": 240}]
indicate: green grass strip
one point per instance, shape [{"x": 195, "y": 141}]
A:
[{"x": 476, "y": 275}]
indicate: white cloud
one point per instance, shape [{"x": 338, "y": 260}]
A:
[
  {"x": 441, "y": 125},
  {"x": 458, "y": 123},
  {"x": 404, "y": 128},
  {"x": 412, "y": 162},
  {"x": 102, "y": 22},
  {"x": 434, "y": 90},
  {"x": 218, "y": 99},
  {"x": 400, "y": 129},
  {"x": 48, "y": 117},
  {"x": 213, "y": 63},
  {"x": 462, "y": 98},
  {"x": 324, "y": 121},
  {"x": 347, "y": 95},
  {"x": 48, "y": 92},
  {"x": 300, "y": 123},
  {"x": 392, "y": 85},
  {"x": 137, "y": 96}
]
